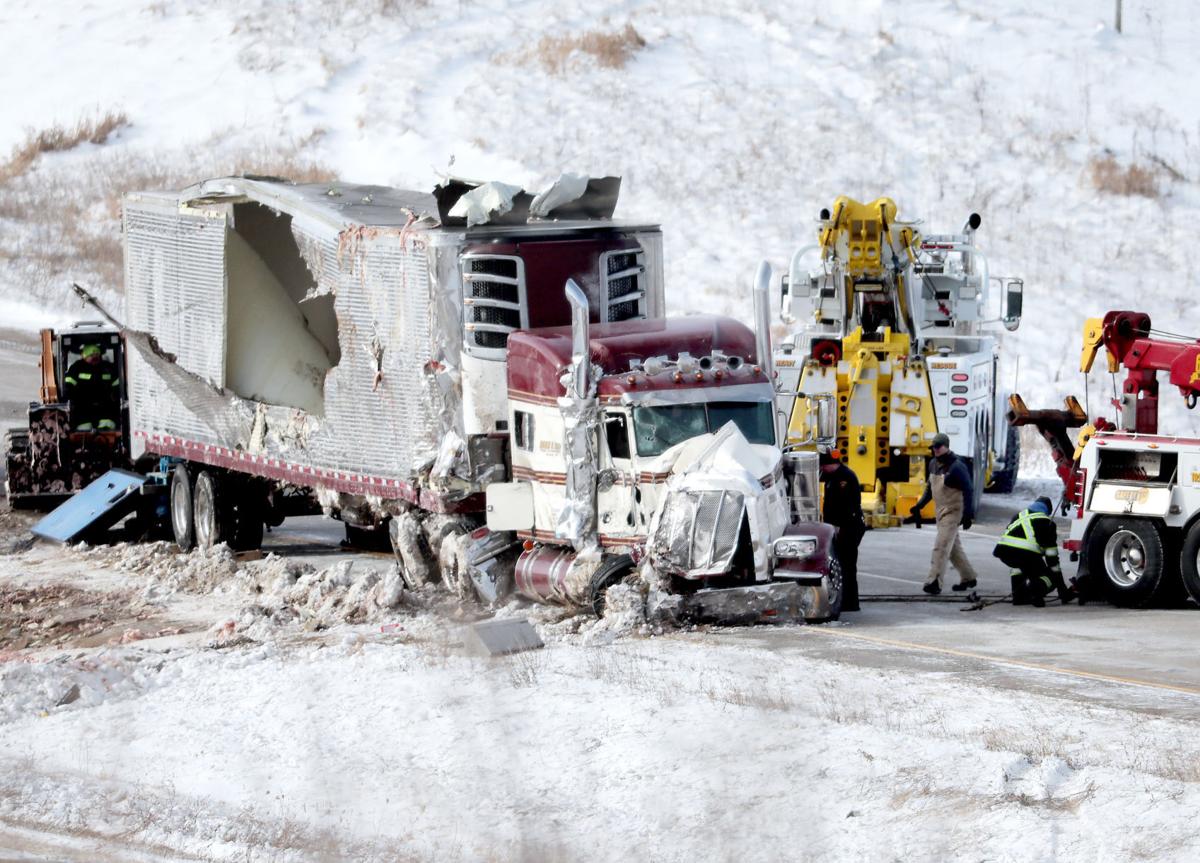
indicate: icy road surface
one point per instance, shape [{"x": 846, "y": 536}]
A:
[{"x": 296, "y": 708}]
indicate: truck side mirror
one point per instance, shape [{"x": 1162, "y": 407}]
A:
[{"x": 1013, "y": 290}]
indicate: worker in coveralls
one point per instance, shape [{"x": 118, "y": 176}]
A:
[
  {"x": 842, "y": 507},
  {"x": 1030, "y": 547},
  {"x": 948, "y": 482},
  {"x": 93, "y": 389}
]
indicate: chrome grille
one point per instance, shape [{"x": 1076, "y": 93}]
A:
[
  {"x": 494, "y": 294},
  {"x": 698, "y": 532},
  {"x": 624, "y": 292}
]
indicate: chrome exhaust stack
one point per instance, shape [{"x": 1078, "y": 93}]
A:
[{"x": 762, "y": 320}]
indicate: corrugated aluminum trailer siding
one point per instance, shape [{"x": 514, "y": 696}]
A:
[
  {"x": 175, "y": 289},
  {"x": 378, "y": 419}
]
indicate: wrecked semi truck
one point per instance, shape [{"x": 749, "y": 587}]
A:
[{"x": 381, "y": 352}]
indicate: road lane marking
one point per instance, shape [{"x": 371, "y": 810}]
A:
[{"x": 1019, "y": 663}]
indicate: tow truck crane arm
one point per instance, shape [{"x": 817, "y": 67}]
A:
[{"x": 1127, "y": 341}]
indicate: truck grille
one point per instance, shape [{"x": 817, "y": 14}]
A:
[
  {"x": 494, "y": 294},
  {"x": 697, "y": 533},
  {"x": 624, "y": 292}
]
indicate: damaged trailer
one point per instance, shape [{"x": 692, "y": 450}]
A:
[
  {"x": 350, "y": 339},
  {"x": 390, "y": 355}
]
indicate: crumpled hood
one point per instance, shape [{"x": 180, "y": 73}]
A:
[{"x": 723, "y": 460}]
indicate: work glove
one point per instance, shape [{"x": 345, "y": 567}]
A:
[
  {"x": 967, "y": 522},
  {"x": 914, "y": 517}
]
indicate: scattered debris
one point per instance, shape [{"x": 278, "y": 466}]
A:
[{"x": 502, "y": 636}]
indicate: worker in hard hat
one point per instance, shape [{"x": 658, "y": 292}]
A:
[
  {"x": 842, "y": 507},
  {"x": 948, "y": 483},
  {"x": 93, "y": 389},
  {"x": 1030, "y": 546}
]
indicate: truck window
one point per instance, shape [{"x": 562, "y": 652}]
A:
[
  {"x": 523, "y": 430},
  {"x": 754, "y": 419},
  {"x": 657, "y": 429},
  {"x": 616, "y": 430}
]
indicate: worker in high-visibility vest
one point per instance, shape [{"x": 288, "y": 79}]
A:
[
  {"x": 93, "y": 389},
  {"x": 1030, "y": 546}
]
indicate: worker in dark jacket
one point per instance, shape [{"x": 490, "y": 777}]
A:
[
  {"x": 948, "y": 483},
  {"x": 842, "y": 507},
  {"x": 93, "y": 389},
  {"x": 1030, "y": 546}
]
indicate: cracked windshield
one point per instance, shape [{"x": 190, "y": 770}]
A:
[{"x": 657, "y": 429}]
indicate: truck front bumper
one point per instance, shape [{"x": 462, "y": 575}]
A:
[{"x": 793, "y": 601}]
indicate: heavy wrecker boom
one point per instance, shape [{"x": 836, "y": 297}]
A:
[{"x": 1126, "y": 339}]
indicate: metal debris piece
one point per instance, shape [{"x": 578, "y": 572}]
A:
[{"x": 500, "y": 637}]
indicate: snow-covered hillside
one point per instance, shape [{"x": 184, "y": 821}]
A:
[{"x": 731, "y": 122}]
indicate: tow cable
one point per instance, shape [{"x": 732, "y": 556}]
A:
[{"x": 974, "y": 601}]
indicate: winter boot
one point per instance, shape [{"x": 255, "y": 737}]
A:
[
  {"x": 1020, "y": 591},
  {"x": 964, "y": 585}
]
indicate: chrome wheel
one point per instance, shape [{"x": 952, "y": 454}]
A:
[
  {"x": 1125, "y": 558},
  {"x": 182, "y": 524},
  {"x": 181, "y": 509},
  {"x": 205, "y": 512}
]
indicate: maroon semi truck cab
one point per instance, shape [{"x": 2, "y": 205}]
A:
[{"x": 666, "y": 451}]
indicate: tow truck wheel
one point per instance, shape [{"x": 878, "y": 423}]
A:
[
  {"x": 1126, "y": 555},
  {"x": 611, "y": 572},
  {"x": 1189, "y": 562},
  {"x": 183, "y": 524},
  {"x": 1003, "y": 481},
  {"x": 213, "y": 524}
]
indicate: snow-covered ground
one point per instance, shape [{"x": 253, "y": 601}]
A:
[
  {"x": 194, "y": 706},
  {"x": 176, "y": 707}
]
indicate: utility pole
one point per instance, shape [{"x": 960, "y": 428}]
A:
[{"x": 1118, "y": 16}]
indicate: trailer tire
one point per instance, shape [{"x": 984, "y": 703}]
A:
[
  {"x": 211, "y": 511},
  {"x": 248, "y": 522},
  {"x": 1127, "y": 556},
  {"x": 183, "y": 521},
  {"x": 1189, "y": 562},
  {"x": 611, "y": 571}
]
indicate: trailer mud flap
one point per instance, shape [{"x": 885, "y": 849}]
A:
[
  {"x": 743, "y": 606},
  {"x": 98, "y": 507}
]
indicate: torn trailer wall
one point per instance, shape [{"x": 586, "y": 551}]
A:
[{"x": 315, "y": 334}]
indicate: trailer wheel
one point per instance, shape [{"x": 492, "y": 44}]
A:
[
  {"x": 611, "y": 572},
  {"x": 183, "y": 523},
  {"x": 210, "y": 511},
  {"x": 1127, "y": 555},
  {"x": 1189, "y": 562},
  {"x": 248, "y": 523}
]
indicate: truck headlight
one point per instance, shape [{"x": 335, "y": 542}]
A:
[{"x": 794, "y": 547}]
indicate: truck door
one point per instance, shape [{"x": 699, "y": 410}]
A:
[{"x": 618, "y": 513}]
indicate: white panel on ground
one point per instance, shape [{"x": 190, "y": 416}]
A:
[{"x": 271, "y": 356}]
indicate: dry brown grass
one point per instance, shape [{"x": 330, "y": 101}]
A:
[
  {"x": 56, "y": 139},
  {"x": 64, "y": 223},
  {"x": 1108, "y": 175},
  {"x": 611, "y": 50}
]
